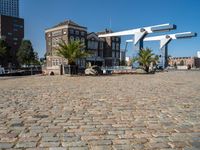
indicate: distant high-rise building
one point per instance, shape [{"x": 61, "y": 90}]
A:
[
  {"x": 9, "y": 8},
  {"x": 12, "y": 31}
]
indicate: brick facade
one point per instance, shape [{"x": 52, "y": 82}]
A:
[
  {"x": 105, "y": 51},
  {"x": 184, "y": 61}
]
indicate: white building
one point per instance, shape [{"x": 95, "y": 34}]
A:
[{"x": 9, "y": 8}]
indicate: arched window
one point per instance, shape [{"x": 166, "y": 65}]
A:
[
  {"x": 77, "y": 39},
  {"x": 71, "y": 38},
  {"x": 83, "y": 40}
]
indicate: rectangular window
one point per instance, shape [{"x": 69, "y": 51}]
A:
[
  {"x": 117, "y": 46},
  {"x": 113, "y": 54},
  {"x": 71, "y": 31},
  {"x": 101, "y": 45},
  {"x": 117, "y": 55},
  {"x": 82, "y": 33},
  {"x": 113, "y": 45},
  {"x": 77, "y": 32}
]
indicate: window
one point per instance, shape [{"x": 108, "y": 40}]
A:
[
  {"x": 77, "y": 39},
  {"x": 100, "y": 53},
  {"x": 71, "y": 38},
  {"x": 117, "y": 46},
  {"x": 117, "y": 39},
  {"x": 113, "y": 45},
  {"x": 83, "y": 40},
  {"x": 77, "y": 32},
  {"x": 88, "y": 44},
  {"x": 56, "y": 62},
  {"x": 117, "y": 55},
  {"x": 71, "y": 31},
  {"x": 55, "y": 41},
  {"x": 82, "y": 33},
  {"x": 101, "y": 45},
  {"x": 9, "y": 33},
  {"x": 113, "y": 54},
  {"x": 92, "y": 44}
]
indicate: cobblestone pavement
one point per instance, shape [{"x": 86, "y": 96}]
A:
[{"x": 123, "y": 112}]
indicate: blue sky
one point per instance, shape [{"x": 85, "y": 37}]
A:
[{"x": 124, "y": 14}]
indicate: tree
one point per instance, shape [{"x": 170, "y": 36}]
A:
[
  {"x": 145, "y": 58},
  {"x": 156, "y": 60},
  {"x": 4, "y": 52},
  {"x": 3, "y": 48},
  {"x": 123, "y": 63},
  {"x": 36, "y": 60},
  {"x": 133, "y": 60},
  {"x": 25, "y": 54},
  {"x": 72, "y": 51}
]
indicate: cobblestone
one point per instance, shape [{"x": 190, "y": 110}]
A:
[{"x": 141, "y": 112}]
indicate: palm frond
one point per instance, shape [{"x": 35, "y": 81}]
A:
[{"x": 72, "y": 51}]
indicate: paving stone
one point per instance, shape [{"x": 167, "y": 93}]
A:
[
  {"x": 49, "y": 144},
  {"x": 122, "y": 147},
  {"x": 196, "y": 144},
  {"x": 26, "y": 144},
  {"x": 57, "y": 148},
  {"x": 78, "y": 148},
  {"x": 50, "y": 139},
  {"x": 6, "y": 145},
  {"x": 100, "y": 142},
  {"x": 74, "y": 144},
  {"x": 141, "y": 112},
  {"x": 101, "y": 148}
]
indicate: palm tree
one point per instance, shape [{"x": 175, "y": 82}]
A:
[
  {"x": 146, "y": 57},
  {"x": 156, "y": 60},
  {"x": 72, "y": 51},
  {"x": 134, "y": 59}
]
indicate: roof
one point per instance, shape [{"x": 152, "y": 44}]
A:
[
  {"x": 104, "y": 32},
  {"x": 68, "y": 22}
]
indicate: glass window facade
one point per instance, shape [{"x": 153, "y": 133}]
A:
[{"x": 9, "y": 8}]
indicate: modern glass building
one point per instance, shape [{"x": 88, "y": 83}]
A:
[{"x": 9, "y": 8}]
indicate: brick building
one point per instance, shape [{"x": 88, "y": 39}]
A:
[
  {"x": 12, "y": 31},
  {"x": 185, "y": 61},
  {"x": 105, "y": 51}
]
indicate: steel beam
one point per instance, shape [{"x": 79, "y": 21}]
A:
[{"x": 165, "y": 40}]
